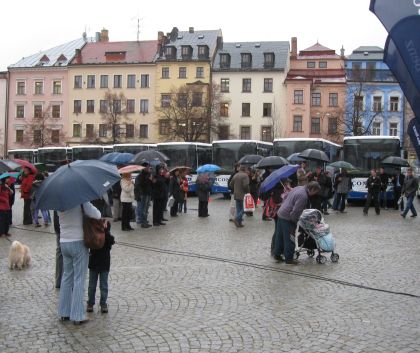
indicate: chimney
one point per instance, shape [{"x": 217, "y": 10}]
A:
[
  {"x": 174, "y": 34},
  {"x": 84, "y": 36},
  {"x": 191, "y": 30},
  {"x": 104, "y": 35},
  {"x": 342, "y": 52},
  {"x": 78, "y": 56},
  {"x": 293, "y": 53}
]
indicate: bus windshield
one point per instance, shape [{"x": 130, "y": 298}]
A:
[
  {"x": 285, "y": 148},
  {"x": 180, "y": 155},
  {"x": 134, "y": 149},
  {"x": 226, "y": 154},
  {"x": 27, "y": 155},
  {"x": 85, "y": 153}
]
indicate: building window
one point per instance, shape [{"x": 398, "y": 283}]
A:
[
  {"x": 246, "y": 109},
  {"x": 103, "y": 106},
  {"x": 164, "y": 127},
  {"x": 224, "y": 61},
  {"x": 322, "y": 65},
  {"x": 21, "y": 88},
  {"x": 332, "y": 126},
  {"x": 315, "y": 125},
  {"x": 268, "y": 60},
  {"x": 77, "y": 106},
  {"x": 19, "y": 135},
  {"x": 224, "y": 85},
  {"x": 144, "y": 81},
  {"x": 117, "y": 130},
  {"x": 20, "y": 111},
  {"x": 129, "y": 131},
  {"x": 298, "y": 96},
  {"x": 393, "y": 129},
  {"x": 104, "y": 81},
  {"x": 297, "y": 123},
  {"x": 266, "y": 109},
  {"x": 223, "y": 132},
  {"x": 333, "y": 100},
  {"x": 116, "y": 106},
  {"x": 90, "y": 130},
  {"x": 144, "y": 131},
  {"x": 144, "y": 106},
  {"x": 103, "y": 130},
  {"x": 183, "y": 72},
  {"x": 182, "y": 100},
  {"x": 245, "y": 132},
  {"x": 377, "y": 104},
  {"x": 266, "y": 133},
  {"x": 224, "y": 109},
  {"x": 131, "y": 81},
  {"x": 268, "y": 85},
  {"x": 37, "y": 111},
  {"x": 90, "y": 106},
  {"x": 246, "y": 60},
  {"x": 56, "y": 87},
  {"x": 56, "y": 111},
  {"x": 165, "y": 100},
  {"x": 197, "y": 99},
  {"x": 199, "y": 73},
  {"x": 186, "y": 52},
  {"x": 246, "y": 85},
  {"x": 316, "y": 99},
  {"x": 203, "y": 51},
  {"x": 117, "y": 81},
  {"x": 131, "y": 106},
  {"x": 39, "y": 87},
  {"x": 165, "y": 72},
  {"x": 91, "y": 81},
  {"x": 55, "y": 136},
  {"x": 78, "y": 81},
  {"x": 358, "y": 103},
  {"x": 37, "y": 136},
  {"x": 376, "y": 128},
  {"x": 394, "y": 102},
  {"x": 77, "y": 129},
  {"x": 310, "y": 64}
]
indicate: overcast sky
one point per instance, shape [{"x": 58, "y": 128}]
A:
[{"x": 28, "y": 26}]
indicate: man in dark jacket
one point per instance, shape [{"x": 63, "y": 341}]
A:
[
  {"x": 398, "y": 182},
  {"x": 175, "y": 192},
  {"x": 159, "y": 194},
  {"x": 143, "y": 195},
  {"x": 373, "y": 185},
  {"x": 384, "y": 185},
  {"x": 409, "y": 190},
  {"x": 240, "y": 186}
]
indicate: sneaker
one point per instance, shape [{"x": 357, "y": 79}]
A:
[
  {"x": 146, "y": 225},
  {"x": 292, "y": 262},
  {"x": 402, "y": 215},
  {"x": 89, "y": 308},
  {"x": 413, "y": 215},
  {"x": 326, "y": 213},
  {"x": 278, "y": 258},
  {"x": 104, "y": 308},
  {"x": 37, "y": 225}
]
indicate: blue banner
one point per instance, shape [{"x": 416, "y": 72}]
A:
[
  {"x": 414, "y": 133},
  {"x": 390, "y": 12}
]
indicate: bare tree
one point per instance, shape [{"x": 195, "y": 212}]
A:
[
  {"x": 113, "y": 109},
  {"x": 190, "y": 113}
]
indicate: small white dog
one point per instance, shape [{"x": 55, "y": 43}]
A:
[{"x": 19, "y": 256}]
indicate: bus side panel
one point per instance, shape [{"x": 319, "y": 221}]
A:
[{"x": 220, "y": 184}]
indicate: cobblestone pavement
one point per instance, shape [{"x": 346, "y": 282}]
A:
[{"x": 201, "y": 285}]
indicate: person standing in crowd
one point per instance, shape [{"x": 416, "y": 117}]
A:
[
  {"x": 240, "y": 186},
  {"x": 39, "y": 179},
  {"x": 11, "y": 184},
  {"x": 127, "y": 198},
  {"x": 254, "y": 185},
  {"x": 384, "y": 185},
  {"x": 27, "y": 178},
  {"x": 184, "y": 191},
  {"x": 373, "y": 185},
  {"x": 5, "y": 192},
  {"x": 232, "y": 208},
  {"x": 99, "y": 265},
  {"x": 302, "y": 174},
  {"x": 342, "y": 186},
  {"x": 398, "y": 182},
  {"x": 322, "y": 196},
  {"x": 159, "y": 195},
  {"x": 410, "y": 186},
  {"x": 75, "y": 261},
  {"x": 265, "y": 198},
  {"x": 116, "y": 202},
  {"x": 58, "y": 254},
  {"x": 143, "y": 186},
  {"x": 203, "y": 194},
  {"x": 175, "y": 192},
  {"x": 288, "y": 216}
]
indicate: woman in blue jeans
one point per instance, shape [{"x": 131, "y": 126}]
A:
[{"x": 75, "y": 262}]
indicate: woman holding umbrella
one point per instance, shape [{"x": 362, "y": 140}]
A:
[
  {"x": 27, "y": 178},
  {"x": 175, "y": 191},
  {"x": 127, "y": 198},
  {"x": 203, "y": 194}
]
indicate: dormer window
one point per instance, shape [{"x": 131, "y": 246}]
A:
[
  {"x": 203, "y": 52},
  {"x": 224, "y": 61},
  {"x": 170, "y": 52},
  {"x": 246, "y": 60},
  {"x": 44, "y": 60},
  {"x": 186, "y": 52},
  {"x": 61, "y": 60},
  {"x": 268, "y": 60}
]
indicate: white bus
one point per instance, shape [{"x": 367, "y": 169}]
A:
[
  {"x": 227, "y": 152},
  {"x": 52, "y": 157},
  {"x": 133, "y": 148},
  {"x": 85, "y": 152},
  {"x": 28, "y": 154},
  {"x": 366, "y": 153}
]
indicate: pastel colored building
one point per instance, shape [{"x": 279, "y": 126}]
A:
[
  {"x": 3, "y": 113},
  {"x": 251, "y": 78},
  {"x": 316, "y": 91},
  {"x": 125, "y": 69},
  {"x": 38, "y": 88}
]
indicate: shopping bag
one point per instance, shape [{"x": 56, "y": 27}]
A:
[
  {"x": 171, "y": 201},
  {"x": 249, "y": 205},
  {"x": 400, "y": 200}
]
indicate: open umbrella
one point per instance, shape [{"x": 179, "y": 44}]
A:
[
  {"x": 395, "y": 161},
  {"x": 149, "y": 156},
  {"x": 26, "y": 164},
  {"x": 250, "y": 159},
  {"x": 342, "y": 164},
  {"x": 294, "y": 158},
  {"x": 314, "y": 155},
  {"x": 9, "y": 174},
  {"x": 130, "y": 169},
  {"x": 7, "y": 166},
  {"x": 272, "y": 162},
  {"x": 179, "y": 168},
  {"x": 75, "y": 183},
  {"x": 208, "y": 168},
  {"x": 122, "y": 158},
  {"x": 275, "y": 177},
  {"x": 108, "y": 157}
]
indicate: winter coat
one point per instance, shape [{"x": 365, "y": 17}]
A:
[
  {"x": 26, "y": 186},
  {"x": 4, "y": 198},
  {"x": 175, "y": 188},
  {"x": 374, "y": 184},
  {"x": 411, "y": 184},
  {"x": 384, "y": 181},
  {"x": 294, "y": 204},
  {"x": 240, "y": 185},
  {"x": 100, "y": 259},
  {"x": 143, "y": 185},
  {"x": 116, "y": 191},
  {"x": 302, "y": 176},
  {"x": 159, "y": 187},
  {"x": 127, "y": 190},
  {"x": 342, "y": 183},
  {"x": 203, "y": 191}
]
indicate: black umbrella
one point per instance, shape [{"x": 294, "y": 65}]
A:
[
  {"x": 272, "y": 161},
  {"x": 314, "y": 155},
  {"x": 7, "y": 165},
  {"x": 149, "y": 156},
  {"x": 395, "y": 161},
  {"x": 250, "y": 159}
]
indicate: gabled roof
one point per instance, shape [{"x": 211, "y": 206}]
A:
[
  {"x": 367, "y": 53},
  {"x": 256, "y": 49},
  {"x": 318, "y": 50},
  {"x": 128, "y": 52},
  {"x": 54, "y": 55}
]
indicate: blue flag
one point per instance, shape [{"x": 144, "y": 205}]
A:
[
  {"x": 390, "y": 12},
  {"x": 414, "y": 133}
]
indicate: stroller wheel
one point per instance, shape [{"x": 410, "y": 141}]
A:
[
  {"x": 321, "y": 259},
  {"x": 310, "y": 253},
  {"x": 334, "y": 257},
  {"x": 296, "y": 255}
]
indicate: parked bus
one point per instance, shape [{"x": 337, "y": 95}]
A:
[
  {"x": 28, "y": 154},
  {"x": 190, "y": 154},
  {"x": 85, "y": 152},
  {"x": 133, "y": 148},
  {"x": 52, "y": 157},
  {"x": 227, "y": 152},
  {"x": 366, "y": 153}
]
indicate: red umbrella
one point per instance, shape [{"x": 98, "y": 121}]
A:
[
  {"x": 130, "y": 169},
  {"x": 26, "y": 164}
]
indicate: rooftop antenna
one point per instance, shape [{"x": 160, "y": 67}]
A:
[{"x": 138, "y": 29}]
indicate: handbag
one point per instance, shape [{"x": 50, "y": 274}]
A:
[
  {"x": 93, "y": 232},
  {"x": 249, "y": 205},
  {"x": 171, "y": 201}
]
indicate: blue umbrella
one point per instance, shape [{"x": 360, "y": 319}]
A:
[
  {"x": 273, "y": 179},
  {"x": 9, "y": 174},
  {"x": 109, "y": 156},
  {"x": 208, "y": 168},
  {"x": 75, "y": 183},
  {"x": 294, "y": 158},
  {"x": 122, "y": 158}
]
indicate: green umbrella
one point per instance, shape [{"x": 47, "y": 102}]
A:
[{"x": 342, "y": 164}]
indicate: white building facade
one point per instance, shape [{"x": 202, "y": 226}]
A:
[{"x": 3, "y": 112}]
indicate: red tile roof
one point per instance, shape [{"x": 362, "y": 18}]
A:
[
  {"x": 117, "y": 52},
  {"x": 318, "y": 50}
]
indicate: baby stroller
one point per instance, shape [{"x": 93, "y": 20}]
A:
[{"x": 312, "y": 233}]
